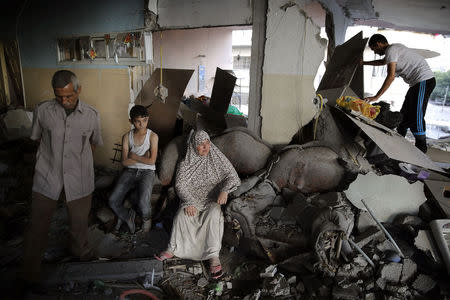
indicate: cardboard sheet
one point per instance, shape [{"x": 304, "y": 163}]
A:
[
  {"x": 163, "y": 115},
  {"x": 394, "y": 145},
  {"x": 344, "y": 69}
]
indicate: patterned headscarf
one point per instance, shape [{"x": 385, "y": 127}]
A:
[{"x": 200, "y": 179}]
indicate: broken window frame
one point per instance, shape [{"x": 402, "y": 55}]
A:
[{"x": 78, "y": 54}]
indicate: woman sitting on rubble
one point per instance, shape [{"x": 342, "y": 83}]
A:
[{"x": 203, "y": 180}]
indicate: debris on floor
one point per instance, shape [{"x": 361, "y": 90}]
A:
[{"x": 332, "y": 217}]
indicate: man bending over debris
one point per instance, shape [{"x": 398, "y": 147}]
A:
[
  {"x": 139, "y": 151},
  {"x": 68, "y": 131},
  {"x": 203, "y": 180},
  {"x": 414, "y": 70}
]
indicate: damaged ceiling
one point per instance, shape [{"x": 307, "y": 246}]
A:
[{"x": 413, "y": 15}]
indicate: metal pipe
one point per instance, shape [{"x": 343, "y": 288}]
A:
[
  {"x": 384, "y": 230},
  {"x": 362, "y": 253}
]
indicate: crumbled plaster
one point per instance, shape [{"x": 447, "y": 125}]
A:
[
  {"x": 387, "y": 196},
  {"x": 203, "y": 13},
  {"x": 293, "y": 53}
]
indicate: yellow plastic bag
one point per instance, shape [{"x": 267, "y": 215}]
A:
[{"x": 356, "y": 104}]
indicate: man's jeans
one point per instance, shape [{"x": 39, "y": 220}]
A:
[{"x": 142, "y": 180}]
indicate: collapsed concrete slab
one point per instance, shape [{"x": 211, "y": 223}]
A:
[{"x": 387, "y": 196}]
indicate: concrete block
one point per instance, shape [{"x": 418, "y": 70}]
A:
[
  {"x": 351, "y": 292},
  {"x": 372, "y": 233},
  {"x": 391, "y": 272},
  {"x": 360, "y": 260},
  {"x": 101, "y": 270},
  {"x": 369, "y": 296},
  {"x": 386, "y": 245},
  {"x": 408, "y": 271},
  {"x": 364, "y": 221},
  {"x": 395, "y": 289},
  {"x": 369, "y": 284},
  {"x": 350, "y": 270},
  {"x": 423, "y": 284},
  {"x": 381, "y": 283}
]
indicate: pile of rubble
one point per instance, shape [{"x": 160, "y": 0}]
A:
[
  {"x": 300, "y": 211},
  {"x": 335, "y": 214}
]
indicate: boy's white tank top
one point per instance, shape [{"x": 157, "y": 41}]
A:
[{"x": 140, "y": 150}]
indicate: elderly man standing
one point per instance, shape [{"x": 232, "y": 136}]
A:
[{"x": 67, "y": 131}]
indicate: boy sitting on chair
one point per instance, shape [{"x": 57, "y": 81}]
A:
[{"x": 139, "y": 151}]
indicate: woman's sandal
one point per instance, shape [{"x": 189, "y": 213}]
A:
[
  {"x": 164, "y": 255},
  {"x": 216, "y": 271}
]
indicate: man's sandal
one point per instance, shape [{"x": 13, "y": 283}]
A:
[
  {"x": 216, "y": 271},
  {"x": 164, "y": 255}
]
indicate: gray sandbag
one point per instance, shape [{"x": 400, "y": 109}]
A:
[
  {"x": 169, "y": 159},
  {"x": 308, "y": 169},
  {"x": 246, "y": 152},
  {"x": 246, "y": 185},
  {"x": 246, "y": 208}
]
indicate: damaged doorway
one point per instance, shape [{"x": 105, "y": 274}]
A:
[
  {"x": 242, "y": 44},
  {"x": 203, "y": 50}
]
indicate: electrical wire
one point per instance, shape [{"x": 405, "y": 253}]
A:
[
  {"x": 317, "y": 118},
  {"x": 160, "y": 59}
]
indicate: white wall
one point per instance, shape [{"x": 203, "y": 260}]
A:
[
  {"x": 195, "y": 13},
  {"x": 293, "y": 53},
  {"x": 184, "y": 49}
]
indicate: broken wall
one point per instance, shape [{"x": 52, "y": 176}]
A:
[
  {"x": 293, "y": 52},
  {"x": 188, "y": 49},
  {"x": 109, "y": 88},
  {"x": 340, "y": 19},
  {"x": 209, "y": 13}
]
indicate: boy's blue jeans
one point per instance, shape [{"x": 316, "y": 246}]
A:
[{"x": 142, "y": 180}]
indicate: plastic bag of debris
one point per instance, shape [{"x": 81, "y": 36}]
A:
[{"x": 356, "y": 104}]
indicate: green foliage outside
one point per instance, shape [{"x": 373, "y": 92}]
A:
[{"x": 442, "y": 81}]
